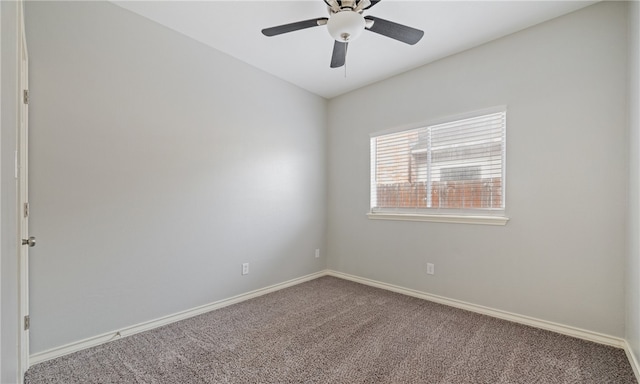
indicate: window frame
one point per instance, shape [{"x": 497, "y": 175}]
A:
[{"x": 486, "y": 216}]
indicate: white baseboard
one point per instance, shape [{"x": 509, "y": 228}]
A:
[
  {"x": 148, "y": 325},
  {"x": 542, "y": 324},
  {"x": 514, "y": 317},
  {"x": 632, "y": 359}
]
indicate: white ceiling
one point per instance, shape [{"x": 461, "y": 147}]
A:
[{"x": 303, "y": 57}]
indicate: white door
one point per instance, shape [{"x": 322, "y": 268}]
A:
[{"x": 22, "y": 169}]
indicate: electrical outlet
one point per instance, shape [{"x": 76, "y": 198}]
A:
[
  {"x": 245, "y": 268},
  {"x": 317, "y": 252},
  {"x": 430, "y": 269}
]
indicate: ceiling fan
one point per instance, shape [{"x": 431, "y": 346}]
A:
[{"x": 346, "y": 22}]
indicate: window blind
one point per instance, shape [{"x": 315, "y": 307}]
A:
[{"x": 454, "y": 167}]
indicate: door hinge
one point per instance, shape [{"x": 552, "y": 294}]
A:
[
  {"x": 16, "y": 163},
  {"x": 26, "y": 323},
  {"x": 25, "y": 96},
  {"x": 26, "y": 210}
]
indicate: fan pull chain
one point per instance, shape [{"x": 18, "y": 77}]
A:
[{"x": 345, "y": 61}]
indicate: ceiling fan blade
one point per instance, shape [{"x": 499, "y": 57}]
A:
[
  {"x": 280, "y": 29},
  {"x": 339, "y": 56},
  {"x": 395, "y": 31},
  {"x": 373, "y": 2}
]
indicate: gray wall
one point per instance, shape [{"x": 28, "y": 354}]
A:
[
  {"x": 561, "y": 257},
  {"x": 8, "y": 230},
  {"x": 158, "y": 166},
  {"x": 633, "y": 262}
]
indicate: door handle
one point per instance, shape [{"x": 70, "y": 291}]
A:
[{"x": 31, "y": 241}]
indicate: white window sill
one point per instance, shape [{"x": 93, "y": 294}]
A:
[{"x": 485, "y": 220}]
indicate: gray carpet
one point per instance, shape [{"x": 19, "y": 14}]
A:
[{"x": 334, "y": 331}]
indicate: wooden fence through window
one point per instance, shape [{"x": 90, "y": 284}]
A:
[{"x": 481, "y": 193}]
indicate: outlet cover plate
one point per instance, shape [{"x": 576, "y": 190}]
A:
[{"x": 430, "y": 269}]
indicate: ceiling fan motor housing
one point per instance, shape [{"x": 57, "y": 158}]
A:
[{"x": 346, "y": 25}]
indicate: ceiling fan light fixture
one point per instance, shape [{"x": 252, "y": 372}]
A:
[{"x": 346, "y": 26}]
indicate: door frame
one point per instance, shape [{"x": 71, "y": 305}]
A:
[{"x": 22, "y": 175}]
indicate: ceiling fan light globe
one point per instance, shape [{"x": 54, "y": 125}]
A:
[{"x": 346, "y": 26}]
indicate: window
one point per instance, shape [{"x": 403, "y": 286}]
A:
[{"x": 452, "y": 171}]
